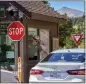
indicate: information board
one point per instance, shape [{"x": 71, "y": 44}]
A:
[{"x": 10, "y": 54}]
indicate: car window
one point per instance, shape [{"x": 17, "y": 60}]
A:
[{"x": 68, "y": 57}]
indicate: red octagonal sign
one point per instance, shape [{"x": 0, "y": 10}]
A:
[{"x": 16, "y": 31}]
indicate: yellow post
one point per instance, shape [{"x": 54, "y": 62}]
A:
[{"x": 19, "y": 69}]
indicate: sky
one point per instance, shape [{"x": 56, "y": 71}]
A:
[{"x": 74, "y": 4}]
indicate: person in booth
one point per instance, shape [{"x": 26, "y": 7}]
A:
[{"x": 34, "y": 48}]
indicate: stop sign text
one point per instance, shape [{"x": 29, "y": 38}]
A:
[{"x": 15, "y": 31}]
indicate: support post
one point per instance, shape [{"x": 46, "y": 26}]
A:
[
  {"x": 24, "y": 54},
  {"x": 53, "y": 33}
]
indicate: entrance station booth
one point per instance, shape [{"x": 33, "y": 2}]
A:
[{"x": 38, "y": 19}]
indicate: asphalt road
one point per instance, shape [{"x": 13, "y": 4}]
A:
[{"x": 7, "y": 77}]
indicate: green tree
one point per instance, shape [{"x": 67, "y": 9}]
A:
[
  {"x": 46, "y": 2},
  {"x": 64, "y": 31},
  {"x": 79, "y": 23},
  {"x": 73, "y": 25},
  {"x": 4, "y": 48}
]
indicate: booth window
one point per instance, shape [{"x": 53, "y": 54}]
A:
[
  {"x": 6, "y": 45},
  {"x": 33, "y": 51}
]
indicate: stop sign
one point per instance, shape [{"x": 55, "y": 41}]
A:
[{"x": 16, "y": 31}]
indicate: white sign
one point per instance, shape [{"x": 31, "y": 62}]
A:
[
  {"x": 77, "y": 38},
  {"x": 10, "y": 54}
]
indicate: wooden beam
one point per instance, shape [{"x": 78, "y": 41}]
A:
[
  {"x": 53, "y": 33},
  {"x": 21, "y": 8},
  {"x": 37, "y": 16},
  {"x": 24, "y": 54}
]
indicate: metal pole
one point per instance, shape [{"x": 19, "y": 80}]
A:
[{"x": 17, "y": 54}]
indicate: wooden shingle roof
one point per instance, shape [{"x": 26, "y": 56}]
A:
[{"x": 40, "y": 8}]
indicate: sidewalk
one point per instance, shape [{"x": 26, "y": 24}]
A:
[
  {"x": 8, "y": 76},
  {"x": 11, "y": 70}
]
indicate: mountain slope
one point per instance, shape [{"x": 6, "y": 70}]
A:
[{"x": 71, "y": 12}]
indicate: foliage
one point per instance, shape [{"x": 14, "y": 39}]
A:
[
  {"x": 79, "y": 23},
  {"x": 73, "y": 25},
  {"x": 64, "y": 31},
  {"x": 46, "y": 2},
  {"x": 70, "y": 43},
  {"x": 4, "y": 48}
]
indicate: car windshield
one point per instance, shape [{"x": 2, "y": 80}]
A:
[{"x": 68, "y": 57}]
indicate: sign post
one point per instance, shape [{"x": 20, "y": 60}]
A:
[
  {"x": 15, "y": 32},
  {"x": 77, "y": 38}
]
